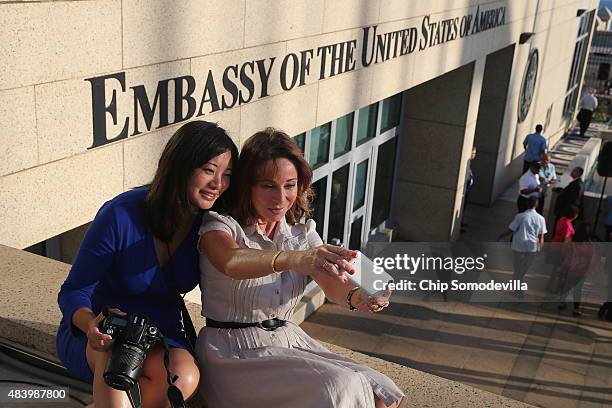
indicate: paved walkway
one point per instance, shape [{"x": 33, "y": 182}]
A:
[{"x": 527, "y": 352}]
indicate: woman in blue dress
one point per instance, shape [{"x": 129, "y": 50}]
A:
[{"x": 138, "y": 255}]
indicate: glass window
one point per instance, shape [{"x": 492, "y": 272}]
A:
[
  {"x": 603, "y": 74},
  {"x": 391, "y": 111},
  {"x": 344, "y": 135},
  {"x": 361, "y": 179},
  {"x": 337, "y": 203},
  {"x": 318, "y": 206},
  {"x": 355, "y": 239},
  {"x": 383, "y": 184},
  {"x": 300, "y": 141},
  {"x": 319, "y": 145},
  {"x": 578, "y": 63},
  {"x": 366, "y": 126}
]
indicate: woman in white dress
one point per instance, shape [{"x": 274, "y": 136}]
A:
[{"x": 254, "y": 268}]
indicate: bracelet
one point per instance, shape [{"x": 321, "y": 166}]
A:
[
  {"x": 273, "y": 264},
  {"x": 349, "y": 297}
]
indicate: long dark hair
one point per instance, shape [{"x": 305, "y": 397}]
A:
[
  {"x": 269, "y": 145},
  {"x": 191, "y": 146}
]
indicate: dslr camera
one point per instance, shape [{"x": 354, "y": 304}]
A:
[{"x": 133, "y": 336}]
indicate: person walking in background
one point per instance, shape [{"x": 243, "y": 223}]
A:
[
  {"x": 578, "y": 261},
  {"x": 548, "y": 176},
  {"x": 535, "y": 145},
  {"x": 563, "y": 234},
  {"x": 469, "y": 182},
  {"x": 527, "y": 230},
  {"x": 571, "y": 194},
  {"x": 564, "y": 229},
  {"x": 588, "y": 104},
  {"x": 529, "y": 186}
]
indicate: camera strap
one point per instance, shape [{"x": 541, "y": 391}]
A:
[
  {"x": 190, "y": 332},
  {"x": 186, "y": 321},
  {"x": 134, "y": 396},
  {"x": 175, "y": 396}
]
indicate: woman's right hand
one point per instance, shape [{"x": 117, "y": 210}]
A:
[
  {"x": 95, "y": 338},
  {"x": 329, "y": 259}
]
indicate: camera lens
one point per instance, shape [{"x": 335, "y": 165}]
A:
[{"x": 124, "y": 366}]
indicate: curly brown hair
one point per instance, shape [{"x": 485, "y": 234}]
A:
[{"x": 269, "y": 145}]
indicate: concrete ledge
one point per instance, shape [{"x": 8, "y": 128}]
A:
[
  {"x": 585, "y": 158},
  {"x": 29, "y": 317},
  {"x": 28, "y": 286},
  {"x": 605, "y": 135}
]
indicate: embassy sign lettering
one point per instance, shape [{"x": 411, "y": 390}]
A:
[{"x": 185, "y": 97}]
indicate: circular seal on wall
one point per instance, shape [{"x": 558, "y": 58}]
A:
[{"x": 528, "y": 87}]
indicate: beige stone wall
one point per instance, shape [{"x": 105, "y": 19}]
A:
[
  {"x": 555, "y": 26},
  {"x": 50, "y": 182}
]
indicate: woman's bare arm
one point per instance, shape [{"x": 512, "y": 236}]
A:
[{"x": 245, "y": 263}]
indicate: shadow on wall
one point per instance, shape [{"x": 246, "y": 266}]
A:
[{"x": 431, "y": 173}]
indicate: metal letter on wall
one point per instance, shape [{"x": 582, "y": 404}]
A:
[{"x": 528, "y": 86}]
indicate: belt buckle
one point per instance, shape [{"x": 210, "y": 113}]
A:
[{"x": 278, "y": 323}]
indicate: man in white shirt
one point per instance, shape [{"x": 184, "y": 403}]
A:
[
  {"x": 588, "y": 104},
  {"x": 529, "y": 186},
  {"x": 527, "y": 230}
]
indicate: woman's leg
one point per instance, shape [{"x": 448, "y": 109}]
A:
[
  {"x": 578, "y": 295},
  {"x": 153, "y": 382},
  {"x": 103, "y": 395}
]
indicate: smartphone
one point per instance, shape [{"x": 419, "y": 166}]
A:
[{"x": 366, "y": 278}]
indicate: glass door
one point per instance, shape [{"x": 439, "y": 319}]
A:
[
  {"x": 360, "y": 196},
  {"x": 352, "y": 187}
]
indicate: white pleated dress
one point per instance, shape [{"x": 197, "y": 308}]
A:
[{"x": 252, "y": 367}]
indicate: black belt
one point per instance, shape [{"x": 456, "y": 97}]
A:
[{"x": 267, "y": 325}]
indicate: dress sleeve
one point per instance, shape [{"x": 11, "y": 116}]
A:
[
  {"x": 516, "y": 223},
  {"x": 312, "y": 236},
  {"x": 94, "y": 258},
  {"x": 217, "y": 222}
]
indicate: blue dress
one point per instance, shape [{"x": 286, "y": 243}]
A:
[{"x": 117, "y": 266}]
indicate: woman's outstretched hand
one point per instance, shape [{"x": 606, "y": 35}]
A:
[
  {"x": 329, "y": 259},
  {"x": 367, "y": 303},
  {"x": 97, "y": 340}
]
